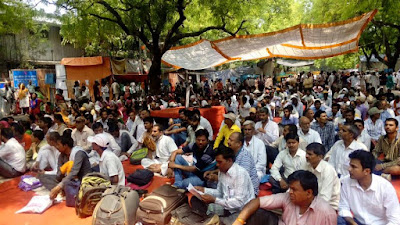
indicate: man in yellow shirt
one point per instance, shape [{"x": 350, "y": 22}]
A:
[{"x": 226, "y": 131}]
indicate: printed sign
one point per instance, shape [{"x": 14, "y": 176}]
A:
[{"x": 24, "y": 76}]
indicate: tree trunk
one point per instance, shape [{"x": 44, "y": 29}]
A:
[
  {"x": 391, "y": 63},
  {"x": 155, "y": 74}
]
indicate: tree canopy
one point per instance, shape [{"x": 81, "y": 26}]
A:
[{"x": 121, "y": 27}]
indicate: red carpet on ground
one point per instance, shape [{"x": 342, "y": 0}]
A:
[{"x": 12, "y": 199}]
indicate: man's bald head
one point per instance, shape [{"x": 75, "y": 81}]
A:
[
  {"x": 235, "y": 141},
  {"x": 304, "y": 119},
  {"x": 304, "y": 124}
]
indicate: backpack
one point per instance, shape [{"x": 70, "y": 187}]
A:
[
  {"x": 140, "y": 177},
  {"x": 92, "y": 187},
  {"x": 138, "y": 155},
  {"x": 155, "y": 209},
  {"x": 118, "y": 207}
]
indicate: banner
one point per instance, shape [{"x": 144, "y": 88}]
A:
[{"x": 24, "y": 76}]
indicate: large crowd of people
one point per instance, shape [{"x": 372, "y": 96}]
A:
[{"x": 327, "y": 144}]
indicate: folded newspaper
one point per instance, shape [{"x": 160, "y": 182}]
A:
[
  {"x": 194, "y": 191},
  {"x": 38, "y": 204}
]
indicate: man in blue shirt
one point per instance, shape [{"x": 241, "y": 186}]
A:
[
  {"x": 243, "y": 158},
  {"x": 190, "y": 169},
  {"x": 288, "y": 118}
]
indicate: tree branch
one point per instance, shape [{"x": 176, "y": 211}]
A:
[
  {"x": 168, "y": 42},
  {"x": 118, "y": 18},
  {"x": 385, "y": 24},
  {"x": 103, "y": 18}
]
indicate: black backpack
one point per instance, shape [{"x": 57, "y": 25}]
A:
[{"x": 140, "y": 177}]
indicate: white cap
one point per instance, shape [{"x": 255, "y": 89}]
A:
[{"x": 100, "y": 139}]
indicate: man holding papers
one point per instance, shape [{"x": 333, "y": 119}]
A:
[{"x": 233, "y": 191}]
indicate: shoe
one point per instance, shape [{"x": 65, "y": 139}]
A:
[{"x": 387, "y": 176}]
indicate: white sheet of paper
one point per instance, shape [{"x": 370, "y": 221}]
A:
[{"x": 194, "y": 191}]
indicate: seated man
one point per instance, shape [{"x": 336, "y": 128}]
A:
[
  {"x": 338, "y": 156},
  {"x": 364, "y": 136},
  {"x": 226, "y": 131},
  {"x": 114, "y": 147},
  {"x": 290, "y": 160},
  {"x": 12, "y": 155},
  {"x": 148, "y": 126},
  {"x": 123, "y": 138},
  {"x": 243, "y": 158},
  {"x": 110, "y": 164},
  {"x": 178, "y": 127},
  {"x": 288, "y": 118},
  {"x": 301, "y": 205},
  {"x": 194, "y": 125},
  {"x": 256, "y": 148},
  {"x": 157, "y": 160},
  {"x": 233, "y": 191},
  {"x": 306, "y": 133},
  {"x": 47, "y": 155},
  {"x": 203, "y": 160},
  {"x": 366, "y": 198},
  {"x": 280, "y": 143},
  {"x": 328, "y": 181},
  {"x": 80, "y": 135},
  {"x": 387, "y": 150},
  {"x": 267, "y": 130}
]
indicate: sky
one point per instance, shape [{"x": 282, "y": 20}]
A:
[{"x": 48, "y": 8}]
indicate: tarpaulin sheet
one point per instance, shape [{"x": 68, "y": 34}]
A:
[
  {"x": 294, "y": 63},
  {"x": 82, "y": 61},
  {"x": 304, "y": 41}
]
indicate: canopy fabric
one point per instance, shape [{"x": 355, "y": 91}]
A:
[
  {"x": 294, "y": 63},
  {"x": 304, "y": 41},
  {"x": 82, "y": 61}
]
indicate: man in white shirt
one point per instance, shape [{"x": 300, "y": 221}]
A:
[
  {"x": 132, "y": 122},
  {"x": 339, "y": 154},
  {"x": 47, "y": 156},
  {"x": 114, "y": 147},
  {"x": 306, "y": 133},
  {"x": 206, "y": 124},
  {"x": 110, "y": 164},
  {"x": 157, "y": 161},
  {"x": 125, "y": 141},
  {"x": 328, "y": 181},
  {"x": 366, "y": 198},
  {"x": 291, "y": 159},
  {"x": 256, "y": 148},
  {"x": 80, "y": 136},
  {"x": 364, "y": 136},
  {"x": 140, "y": 127},
  {"x": 233, "y": 191},
  {"x": 104, "y": 119},
  {"x": 266, "y": 130},
  {"x": 374, "y": 125},
  {"x": 81, "y": 133},
  {"x": 12, "y": 155}
]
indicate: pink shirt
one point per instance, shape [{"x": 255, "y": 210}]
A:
[{"x": 319, "y": 212}]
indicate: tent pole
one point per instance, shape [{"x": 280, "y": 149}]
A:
[{"x": 187, "y": 89}]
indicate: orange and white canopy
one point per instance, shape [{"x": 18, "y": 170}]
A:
[{"x": 304, "y": 41}]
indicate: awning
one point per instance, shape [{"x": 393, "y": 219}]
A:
[
  {"x": 294, "y": 63},
  {"x": 304, "y": 41},
  {"x": 82, "y": 61}
]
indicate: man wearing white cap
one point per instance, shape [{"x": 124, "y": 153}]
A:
[
  {"x": 110, "y": 164},
  {"x": 374, "y": 125}
]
